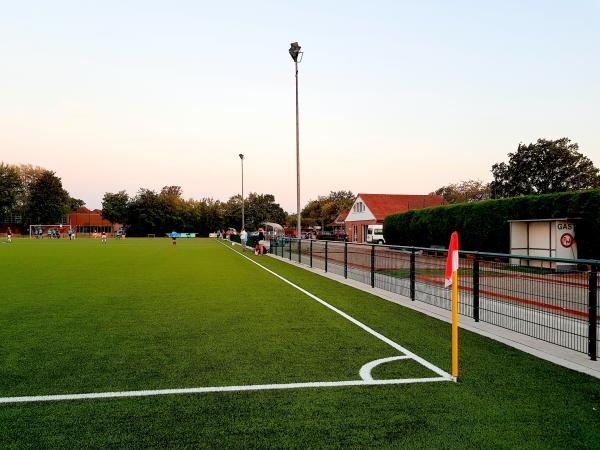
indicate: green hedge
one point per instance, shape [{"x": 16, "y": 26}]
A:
[{"x": 483, "y": 226}]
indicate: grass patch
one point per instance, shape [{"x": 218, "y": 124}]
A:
[
  {"x": 405, "y": 368},
  {"x": 81, "y": 317}
]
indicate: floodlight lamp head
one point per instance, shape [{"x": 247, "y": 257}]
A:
[
  {"x": 294, "y": 51},
  {"x": 241, "y": 156}
]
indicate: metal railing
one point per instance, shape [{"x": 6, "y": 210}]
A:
[
  {"x": 552, "y": 299},
  {"x": 11, "y": 218}
]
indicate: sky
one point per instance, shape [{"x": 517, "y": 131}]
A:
[{"x": 396, "y": 97}]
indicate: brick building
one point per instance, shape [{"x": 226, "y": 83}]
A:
[
  {"x": 338, "y": 225},
  {"x": 371, "y": 209},
  {"x": 87, "y": 221}
]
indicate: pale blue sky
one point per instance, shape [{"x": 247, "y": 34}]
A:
[{"x": 396, "y": 97}]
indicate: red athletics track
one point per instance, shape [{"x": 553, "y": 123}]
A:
[{"x": 437, "y": 263}]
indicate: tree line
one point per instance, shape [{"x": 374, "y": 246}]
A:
[
  {"x": 35, "y": 194},
  {"x": 159, "y": 212},
  {"x": 162, "y": 211}
]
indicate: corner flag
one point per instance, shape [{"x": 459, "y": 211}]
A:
[
  {"x": 452, "y": 261},
  {"x": 451, "y": 279}
]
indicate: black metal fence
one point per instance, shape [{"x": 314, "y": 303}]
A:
[{"x": 552, "y": 299}]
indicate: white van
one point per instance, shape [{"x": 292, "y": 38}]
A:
[{"x": 375, "y": 234}]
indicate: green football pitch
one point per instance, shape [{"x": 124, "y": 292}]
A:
[{"x": 137, "y": 343}]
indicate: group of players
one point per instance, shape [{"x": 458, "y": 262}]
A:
[{"x": 53, "y": 233}]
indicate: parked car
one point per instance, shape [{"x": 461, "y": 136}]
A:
[{"x": 375, "y": 234}]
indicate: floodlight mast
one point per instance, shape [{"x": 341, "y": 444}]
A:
[
  {"x": 295, "y": 53},
  {"x": 242, "y": 160}
]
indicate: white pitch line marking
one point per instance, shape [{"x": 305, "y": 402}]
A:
[
  {"x": 365, "y": 371},
  {"x": 356, "y": 322},
  {"x": 204, "y": 390}
]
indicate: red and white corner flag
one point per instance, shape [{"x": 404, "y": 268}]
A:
[
  {"x": 452, "y": 280},
  {"x": 452, "y": 261}
]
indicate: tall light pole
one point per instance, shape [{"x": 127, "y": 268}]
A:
[
  {"x": 242, "y": 159},
  {"x": 295, "y": 53}
]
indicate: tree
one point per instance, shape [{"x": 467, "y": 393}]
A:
[
  {"x": 542, "y": 168},
  {"x": 173, "y": 207},
  {"x": 232, "y": 212},
  {"x": 258, "y": 209},
  {"x": 75, "y": 204},
  {"x": 212, "y": 215},
  {"x": 145, "y": 214},
  {"x": 203, "y": 216},
  {"x": 150, "y": 212},
  {"x": 11, "y": 188},
  {"x": 261, "y": 208},
  {"x": 114, "y": 206},
  {"x": 325, "y": 209},
  {"x": 47, "y": 201},
  {"x": 30, "y": 173},
  {"x": 464, "y": 191},
  {"x": 291, "y": 222}
]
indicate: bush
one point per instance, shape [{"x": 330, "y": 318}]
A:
[{"x": 483, "y": 226}]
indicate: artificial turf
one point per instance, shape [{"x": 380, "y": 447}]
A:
[{"x": 139, "y": 314}]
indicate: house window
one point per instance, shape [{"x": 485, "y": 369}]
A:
[
  {"x": 359, "y": 207},
  {"x": 354, "y": 233}
]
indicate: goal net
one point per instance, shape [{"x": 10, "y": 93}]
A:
[
  {"x": 152, "y": 235},
  {"x": 53, "y": 231}
]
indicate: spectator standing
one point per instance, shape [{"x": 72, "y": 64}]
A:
[
  {"x": 244, "y": 238},
  {"x": 261, "y": 240}
]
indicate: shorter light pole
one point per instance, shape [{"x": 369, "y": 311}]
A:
[{"x": 242, "y": 159}]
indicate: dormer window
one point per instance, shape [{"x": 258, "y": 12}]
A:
[{"x": 359, "y": 207}]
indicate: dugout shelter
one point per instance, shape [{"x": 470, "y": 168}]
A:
[{"x": 552, "y": 238}]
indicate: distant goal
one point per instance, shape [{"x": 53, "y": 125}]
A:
[
  {"x": 52, "y": 231},
  {"x": 152, "y": 235}
]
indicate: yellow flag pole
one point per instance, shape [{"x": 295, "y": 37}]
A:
[{"x": 455, "y": 325}]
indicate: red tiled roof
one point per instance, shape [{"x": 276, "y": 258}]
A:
[
  {"x": 382, "y": 205},
  {"x": 341, "y": 217},
  {"x": 339, "y": 220}
]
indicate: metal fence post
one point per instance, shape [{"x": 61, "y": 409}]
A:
[
  {"x": 412, "y": 274},
  {"x": 290, "y": 249},
  {"x": 311, "y": 252},
  {"x": 300, "y": 251},
  {"x": 372, "y": 266},
  {"x": 593, "y": 312},
  {"x": 476, "y": 288},
  {"x": 326, "y": 256},
  {"x": 345, "y": 260}
]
